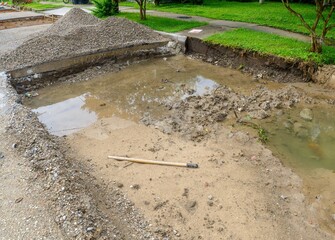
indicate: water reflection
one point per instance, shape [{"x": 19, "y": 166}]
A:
[
  {"x": 66, "y": 117},
  {"x": 200, "y": 86}
]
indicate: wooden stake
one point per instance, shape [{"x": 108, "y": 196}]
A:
[{"x": 137, "y": 160}]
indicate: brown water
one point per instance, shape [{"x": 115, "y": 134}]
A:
[
  {"x": 145, "y": 87},
  {"x": 305, "y": 144},
  {"x": 148, "y": 86}
]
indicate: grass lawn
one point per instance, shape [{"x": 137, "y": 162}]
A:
[
  {"x": 272, "y": 44},
  {"x": 162, "y": 24},
  {"x": 272, "y": 14},
  {"x": 39, "y": 6}
]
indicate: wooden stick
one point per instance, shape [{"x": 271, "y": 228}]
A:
[{"x": 137, "y": 160}]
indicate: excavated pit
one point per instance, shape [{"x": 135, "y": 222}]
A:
[{"x": 84, "y": 188}]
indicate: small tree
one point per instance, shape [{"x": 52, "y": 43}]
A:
[
  {"x": 143, "y": 8},
  {"x": 321, "y": 15}
]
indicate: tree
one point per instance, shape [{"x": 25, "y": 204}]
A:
[
  {"x": 322, "y": 15},
  {"x": 143, "y": 8}
]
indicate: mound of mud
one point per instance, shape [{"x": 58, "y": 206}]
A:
[
  {"x": 197, "y": 116},
  {"x": 78, "y": 33}
]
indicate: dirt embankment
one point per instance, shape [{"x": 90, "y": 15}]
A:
[{"x": 271, "y": 67}]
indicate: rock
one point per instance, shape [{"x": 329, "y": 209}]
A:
[
  {"x": 1, "y": 155},
  {"x": 333, "y": 217},
  {"x": 300, "y": 130},
  {"x": 283, "y": 197},
  {"x": 210, "y": 203},
  {"x": 190, "y": 205},
  {"x": 306, "y": 114},
  {"x": 288, "y": 124},
  {"x": 221, "y": 117},
  {"x": 135, "y": 186}
]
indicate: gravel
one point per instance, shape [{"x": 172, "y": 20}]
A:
[{"x": 78, "y": 33}]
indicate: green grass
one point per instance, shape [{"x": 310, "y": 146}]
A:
[
  {"x": 161, "y": 23},
  {"x": 272, "y": 14},
  {"x": 40, "y": 6},
  {"x": 272, "y": 44}
]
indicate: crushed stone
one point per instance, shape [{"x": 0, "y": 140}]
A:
[{"x": 78, "y": 33}]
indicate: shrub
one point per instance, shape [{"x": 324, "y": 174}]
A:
[{"x": 105, "y": 8}]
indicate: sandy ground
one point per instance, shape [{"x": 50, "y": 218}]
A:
[{"x": 240, "y": 191}]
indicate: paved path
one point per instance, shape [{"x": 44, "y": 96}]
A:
[
  {"x": 215, "y": 26},
  {"x": 18, "y": 15}
]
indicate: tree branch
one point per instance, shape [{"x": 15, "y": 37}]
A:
[
  {"x": 287, "y": 5},
  {"x": 325, "y": 27}
]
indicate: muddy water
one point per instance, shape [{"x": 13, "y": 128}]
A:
[
  {"x": 306, "y": 144},
  {"x": 144, "y": 87},
  {"x": 307, "y": 147}
]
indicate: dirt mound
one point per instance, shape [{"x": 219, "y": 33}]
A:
[
  {"x": 326, "y": 75},
  {"x": 78, "y": 33},
  {"x": 197, "y": 116}
]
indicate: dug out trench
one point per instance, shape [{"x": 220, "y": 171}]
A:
[{"x": 154, "y": 105}]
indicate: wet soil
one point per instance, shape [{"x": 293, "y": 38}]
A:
[{"x": 240, "y": 191}]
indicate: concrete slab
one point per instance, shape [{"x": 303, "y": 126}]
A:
[
  {"x": 62, "y": 11},
  {"x": 17, "y": 15}
]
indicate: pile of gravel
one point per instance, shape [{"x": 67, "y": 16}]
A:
[{"x": 78, "y": 33}]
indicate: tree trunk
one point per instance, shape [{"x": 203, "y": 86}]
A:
[
  {"x": 141, "y": 11},
  {"x": 145, "y": 9},
  {"x": 316, "y": 45}
]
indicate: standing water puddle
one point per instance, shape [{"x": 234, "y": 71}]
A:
[
  {"x": 310, "y": 143},
  {"x": 145, "y": 87},
  {"x": 67, "y": 116},
  {"x": 307, "y": 147}
]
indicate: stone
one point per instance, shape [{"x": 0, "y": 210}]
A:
[
  {"x": 210, "y": 203},
  {"x": 300, "y": 130},
  {"x": 190, "y": 205},
  {"x": 306, "y": 114}
]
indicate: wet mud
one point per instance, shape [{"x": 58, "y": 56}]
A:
[{"x": 200, "y": 119}]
